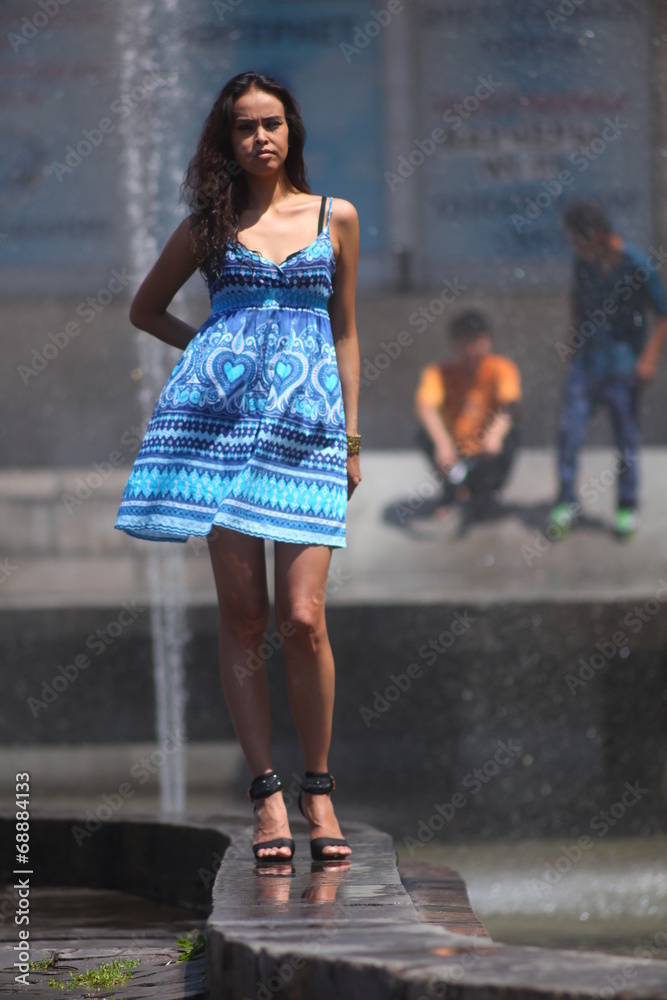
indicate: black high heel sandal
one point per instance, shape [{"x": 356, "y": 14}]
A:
[
  {"x": 321, "y": 783},
  {"x": 260, "y": 788}
]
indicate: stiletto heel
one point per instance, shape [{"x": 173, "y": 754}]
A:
[
  {"x": 260, "y": 788},
  {"x": 321, "y": 783}
]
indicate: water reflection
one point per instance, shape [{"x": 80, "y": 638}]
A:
[{"x": 274, "y": 883}]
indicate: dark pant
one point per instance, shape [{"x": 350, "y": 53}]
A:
[
  {"x": 581, "y": 397},
  {"x": 486, "y": 474}
]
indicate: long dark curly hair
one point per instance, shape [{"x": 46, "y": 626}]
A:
[{"x": 215, "y": 185}]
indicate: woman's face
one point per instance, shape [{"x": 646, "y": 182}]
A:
[{"x": 259, "y": 132}]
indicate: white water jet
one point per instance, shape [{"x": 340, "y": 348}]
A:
[{"x": 150, "y": 163}]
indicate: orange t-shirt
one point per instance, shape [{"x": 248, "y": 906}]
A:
[{"x": 467, "y": 403}]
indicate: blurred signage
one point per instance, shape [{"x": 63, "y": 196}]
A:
[
  {"x": 102, "y": 99},
  {"x": 525, "y": 108}
]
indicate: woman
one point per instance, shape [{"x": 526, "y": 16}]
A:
[{"x": 254, "y": 435}]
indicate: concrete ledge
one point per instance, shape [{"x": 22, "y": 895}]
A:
[
  {"x": 332, "y": 932},
  {"x": 311, "y": 930},
  {"x": 168, "y": 860}
]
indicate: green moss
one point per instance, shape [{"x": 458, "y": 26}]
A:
[
  {"x": 190, "y": 945},
  {"x": 108, "y": 974},
  {"x": 43, "y": 964}
]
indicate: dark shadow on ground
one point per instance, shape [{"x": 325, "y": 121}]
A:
[{"x": 407, "y": 513}]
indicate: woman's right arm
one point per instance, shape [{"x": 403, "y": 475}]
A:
[{"x": 171, "y": 270}]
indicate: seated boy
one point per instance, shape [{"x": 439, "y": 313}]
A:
[{"x": 468, "y": 410}]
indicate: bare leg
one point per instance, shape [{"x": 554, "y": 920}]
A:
[
  {"x": 301, "y": 576},
  {"x": 239, "y": 570}
]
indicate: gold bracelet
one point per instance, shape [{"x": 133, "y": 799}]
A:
[{"x": 353, "y": 444}]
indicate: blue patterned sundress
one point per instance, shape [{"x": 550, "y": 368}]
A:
[{"x": 249, "y": 430}]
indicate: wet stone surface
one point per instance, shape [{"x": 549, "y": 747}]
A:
[
  {"x": 80, "y": 929},
  {"x": 354, "y": 930},
  {"x": 301, "y": 930}
]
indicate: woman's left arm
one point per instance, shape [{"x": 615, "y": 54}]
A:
[{"x": 344, "y": 233}]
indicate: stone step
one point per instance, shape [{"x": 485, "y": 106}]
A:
[{"x": 397, "y": 552}]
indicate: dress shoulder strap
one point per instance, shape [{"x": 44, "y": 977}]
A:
[{"x": 321, "y": 218}]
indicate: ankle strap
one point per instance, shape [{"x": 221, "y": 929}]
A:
[
  {"x": 317, "y": 783},
  {"x": 264, "y": 785}
]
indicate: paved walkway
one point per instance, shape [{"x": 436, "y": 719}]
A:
[
  {"x": 80, "y": 929},
  {"x": 398, "y": 552}
]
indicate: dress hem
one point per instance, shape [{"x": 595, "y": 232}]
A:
[{"x": 158, "y": 536}]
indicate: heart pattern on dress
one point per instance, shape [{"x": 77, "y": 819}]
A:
[
  {"x": 231, "y": 375},
  {"x": 325, "y": 380},
  {"x": 289, "y": 371},
  {"x": 233, "y": 372}
]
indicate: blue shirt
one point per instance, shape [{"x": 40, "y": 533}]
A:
[{"x": 614, "y": 302}]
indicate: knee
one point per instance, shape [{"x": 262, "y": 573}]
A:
[
  {"x": 246, "y": 617},
  {"x": 302, "y": 624}
]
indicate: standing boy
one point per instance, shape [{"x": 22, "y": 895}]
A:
[{"x": 610, "y": 355}]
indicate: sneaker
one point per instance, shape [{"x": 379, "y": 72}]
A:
[
  {"x": 626, "y": 522},
  {"x": 560, "y": 520}
]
